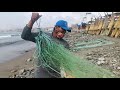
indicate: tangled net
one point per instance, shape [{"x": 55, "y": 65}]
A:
[{"x": 52, "y": 56}]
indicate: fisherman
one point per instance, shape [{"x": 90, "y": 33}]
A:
[{"x": 60, "y": 28}]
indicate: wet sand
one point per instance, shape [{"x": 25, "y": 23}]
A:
[
  {"x": 13, "y": 56},
  {"x": 17, "y": 63},
  {"x": 9, "y": 52}
]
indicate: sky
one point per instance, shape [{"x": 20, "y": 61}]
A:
[{"x": 14, "y": 20}]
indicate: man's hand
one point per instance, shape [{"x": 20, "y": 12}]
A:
[{"x": 35, "y": 17}]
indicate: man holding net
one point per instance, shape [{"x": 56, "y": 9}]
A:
[{"x": 57, "y": 35}]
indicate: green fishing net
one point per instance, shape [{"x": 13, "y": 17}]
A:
[{"x": 52, "y": 56}]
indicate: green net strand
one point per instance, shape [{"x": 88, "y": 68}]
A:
[{"x": 53, "y": 56}]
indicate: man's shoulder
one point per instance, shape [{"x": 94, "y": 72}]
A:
[
  {"x": 66, "y": 44},
  {"x": 64, "y": 40}
]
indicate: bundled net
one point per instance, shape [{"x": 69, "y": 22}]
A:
[{"x": 53, "y": 56}]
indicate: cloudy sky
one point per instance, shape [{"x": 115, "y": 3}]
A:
[{"x": 13, "y": 20}]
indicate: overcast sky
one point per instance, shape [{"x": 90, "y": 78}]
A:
[{"x": 13, "y": 20}]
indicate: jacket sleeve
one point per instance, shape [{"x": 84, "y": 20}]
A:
[
  {"x": 67, "y": 46},
  {"x": 28, "y": 35}
]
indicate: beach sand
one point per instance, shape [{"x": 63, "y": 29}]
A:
[{"x": 7, "y": 68}]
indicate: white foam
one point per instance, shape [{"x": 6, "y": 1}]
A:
[{"x": 5, "y": 36}]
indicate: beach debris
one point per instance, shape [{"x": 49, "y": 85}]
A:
[
  {"x": 13, "y": 71},
  {"x": 89, "y": 58},
  {"x": 100, "y": 62},
  {"x": 22, "y": 71},
  {"x": 101, "y": 59},
  {"x": 28, "y": 60},
  {"x": 26, "y": 51},
  {"x": 31, "y": 69},
  {"x": 118, "y": 68}
]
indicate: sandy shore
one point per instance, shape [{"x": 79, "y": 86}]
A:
[
  {"x": 15, "y": 49},
  {"x": 108, "y": 53},
  {"x": 7, "y": 68}
]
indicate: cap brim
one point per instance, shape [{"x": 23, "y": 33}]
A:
[{"x": 67, "y": 29}]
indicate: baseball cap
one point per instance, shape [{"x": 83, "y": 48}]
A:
[{"x": 63, "y": 24}]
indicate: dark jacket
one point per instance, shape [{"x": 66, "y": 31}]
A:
[{"x": 30, "y": 36}]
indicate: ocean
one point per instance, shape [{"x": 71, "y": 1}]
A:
[
  {"x": 7, "y": 38},
  {"x": 12, "y": 45}
]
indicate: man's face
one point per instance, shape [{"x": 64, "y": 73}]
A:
[{"x": 59, "y": 32}]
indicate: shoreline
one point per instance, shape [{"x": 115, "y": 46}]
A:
[
  {"x": 8, "y": 67},
  {"x": 16, "y": 49}
]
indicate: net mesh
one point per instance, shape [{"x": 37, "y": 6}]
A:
[{"x": 52, "y": 56}]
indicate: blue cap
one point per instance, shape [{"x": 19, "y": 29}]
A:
[{"x": 63, "y": 24}]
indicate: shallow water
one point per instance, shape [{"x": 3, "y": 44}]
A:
[{"x": 12, "y": 45}]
